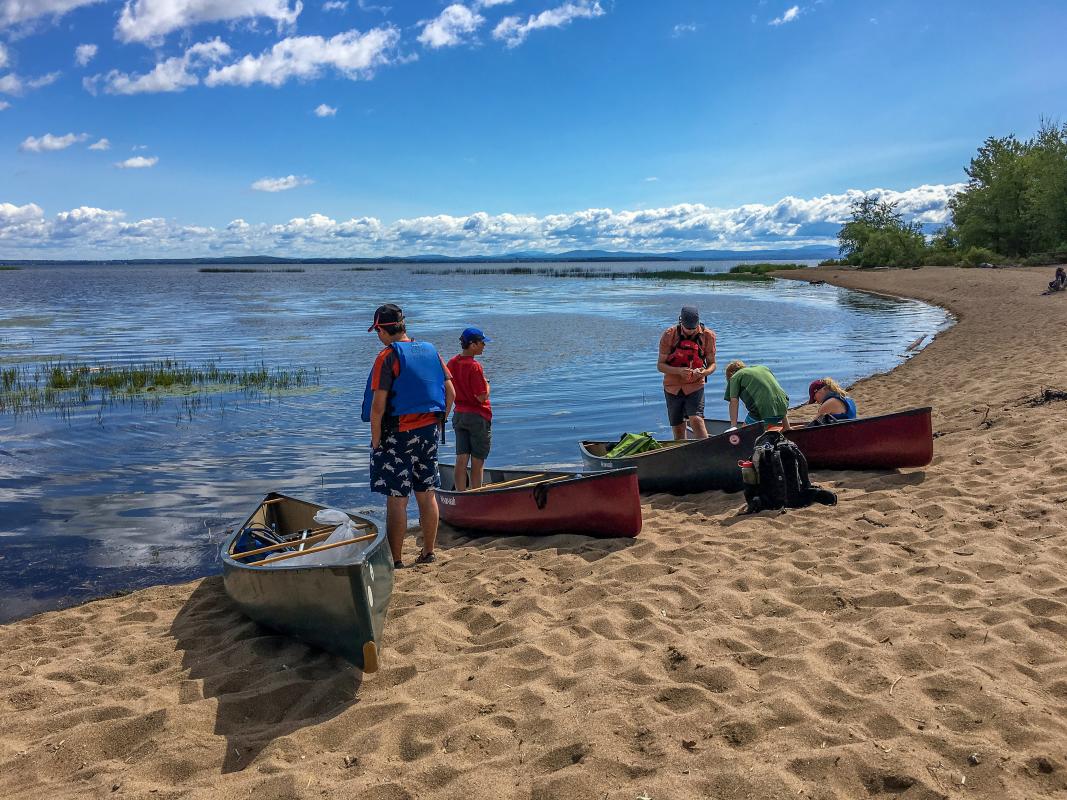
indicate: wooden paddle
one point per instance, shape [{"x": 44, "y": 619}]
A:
[
  {"x": 318, "y": 549},
  {"x": 317, "y": 535},
  {"x": 501, "y": 484}
]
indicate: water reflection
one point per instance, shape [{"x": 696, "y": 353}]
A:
[{"x": 134, "y": 496}]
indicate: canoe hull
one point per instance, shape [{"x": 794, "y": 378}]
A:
[
  {"x": 888, "y": 441},
  {"x": 697, "y": 465},
  {"x": 603, "y": 504},
  {"x": 340, "y": 608}
]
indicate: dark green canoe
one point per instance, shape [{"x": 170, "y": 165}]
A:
[
  {"x": 684, "y": 466},
  {"x": 339, "y": 607}
]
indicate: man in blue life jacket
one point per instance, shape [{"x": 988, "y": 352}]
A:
[{"x": 409, "y": 394}]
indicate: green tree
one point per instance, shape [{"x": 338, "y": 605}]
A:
[{"x": 877, "y": 235}]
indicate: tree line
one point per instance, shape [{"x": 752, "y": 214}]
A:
[{"x": 1013, "y": 209}]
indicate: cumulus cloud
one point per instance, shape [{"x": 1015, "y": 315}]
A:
[
  {"x": 682, "y": 28},
  {"x": 790, "y": 222},
  {"x": 147, "y": 20},
  {"x": 280, "y": 184},
  {"x": 4, "y": 57},
  {"x": 355, "y": 55},
  {"x": 4, "y": 105},
  {"x": 138, "y": 162},
  {"x": 170, "y": 75},
  {"x": 48, "y": 142},
  {"x": 491, "y": 3},
  {"x": 450, "y": 27},
  {"x": 790, "y": 14},
  {"x": 335, "y": 5},
  {"x": 16, "y": 85},
  {"x": 13, "y": 12},
  {"x": 323, "y": 110},
  {"x": 103, "y": 144},
  {"x": 513, "y": 31},
  {"x": 84, "y": 53}
]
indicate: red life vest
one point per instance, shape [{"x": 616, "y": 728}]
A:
[{"x": 688, "y": 352}]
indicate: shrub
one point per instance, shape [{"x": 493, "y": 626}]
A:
[
  {"x": 941, "y": 258},
  {"x": 973, "y": 256}
]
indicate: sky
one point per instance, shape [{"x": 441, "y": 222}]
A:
[{"x": 185, "y": 128}]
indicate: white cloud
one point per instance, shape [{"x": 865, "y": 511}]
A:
[
  {"x": 84, "y": 53},
  {"x": 171, "y": 75},
  {"x": 335, "y": 5},
  {"x": 651, "y": 179},
  {"x": 790, "y": 222},
  {"x": 682, "y": 28},
  {"x": 49, "y": 143},
  {"x": 791, "y": 14},
  {"x": 491, "y": 3},
  {"x": 13, "y": 12},
  {"x": 15, "y": 85},
  {"x": 280, "y": 184},
  {"x": 4, "y": 105},
  {"x": 513, "y": 31},
  {"x": 355, "y": 55},
  {"x": 147, "y": 20},
  {"x": 4, "y": 57},
  {"x": 323, "y": 110},
  {"x": 450, "y": 27},
  {"x": 138, "y": 162},
  {"x": 103, "y": 144}
]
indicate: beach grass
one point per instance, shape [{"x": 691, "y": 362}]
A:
[
  {"x": 763, "y": 269},
  {"x": 8, "y": 268},
  {"x": 63, "y": 386}
]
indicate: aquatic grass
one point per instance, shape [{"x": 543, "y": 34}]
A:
[
  {"x": 763, "y": 269},
  {"x": 63, "y": 386},
  {"x": 695, "y": 273},
  {"x": 364, "y": 269},
  {"x": 250, "y": 269},
  {"x": 8, "y": 268}
]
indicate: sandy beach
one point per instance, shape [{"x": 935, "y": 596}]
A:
[{"x": 910, "y": 642}]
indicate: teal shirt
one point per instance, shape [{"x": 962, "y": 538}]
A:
[{"x": 759, "y": 390}]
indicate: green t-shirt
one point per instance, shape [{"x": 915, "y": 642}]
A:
[{"x": 759, "y": 390}]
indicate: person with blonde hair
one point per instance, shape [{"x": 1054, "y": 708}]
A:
[
  {"x": 834, "y": 402},
  {"x": 756, "y": 387}
]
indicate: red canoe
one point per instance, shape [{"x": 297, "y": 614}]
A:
[
  {"x": 889, "y": 441},
  {"x": 528, "y": 502}
]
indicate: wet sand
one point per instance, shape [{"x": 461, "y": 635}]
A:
[{"x": 909, "y": 642}]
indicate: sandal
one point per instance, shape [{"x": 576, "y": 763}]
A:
[
  {"x": 398, "y": 564},
  {"x": 426, "y": 558}
]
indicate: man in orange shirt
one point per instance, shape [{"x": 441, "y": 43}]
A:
[
  {"x": 409, "y": 393},
  {"x": 686, "y": 358}
]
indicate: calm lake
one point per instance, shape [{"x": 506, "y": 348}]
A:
[{"x": 126, "y": 496}]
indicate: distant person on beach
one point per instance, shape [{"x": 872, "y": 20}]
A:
[
  {"x": 756, "y": 387},
  {"x": 1059, "y": 283},
  {"x": 686, "y": 359},
  {"x": 408, "y": 396},
  {"x": 834, "y": 402},
  {"x": 473, "y": 420}
]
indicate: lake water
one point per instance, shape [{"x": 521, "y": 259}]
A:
[{"x": 128, "y": 496}]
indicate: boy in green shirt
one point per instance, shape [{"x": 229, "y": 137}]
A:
[{"x": 756, "y": 386}]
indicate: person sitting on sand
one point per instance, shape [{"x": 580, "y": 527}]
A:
[
  {"x": 755, "y": 386},
  {"x": 834, "y": 402},
  {"x": 473, "y": 420},
  {"x": 1059, "y": 283}
]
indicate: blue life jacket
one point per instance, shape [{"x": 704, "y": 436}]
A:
[
  {"x": 420, "y": 386},
  {"x": 850, "y": 407}
]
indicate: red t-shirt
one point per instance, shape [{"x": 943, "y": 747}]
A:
[
  {"x": 469, "y": 380},
  {"x": 386, "y": 369}
]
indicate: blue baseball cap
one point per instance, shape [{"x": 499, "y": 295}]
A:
[{"x": 474, "y": 335}]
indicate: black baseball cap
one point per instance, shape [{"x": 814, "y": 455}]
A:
[
  {"x": 689, "y": 316},
  {"x": 387, "y": 316}
]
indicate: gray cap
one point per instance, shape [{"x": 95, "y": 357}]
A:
[{"x": 689, "y": 316}]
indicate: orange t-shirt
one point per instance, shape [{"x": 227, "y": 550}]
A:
[
  {"x": 673, "y": 384},
  {"x": 385, "y": 371}
]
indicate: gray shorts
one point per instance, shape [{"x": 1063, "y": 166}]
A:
[
  {"x": 681, "y": 407},
  {"x": 474, "y": 434}
]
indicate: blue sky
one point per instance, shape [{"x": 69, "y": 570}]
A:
[{"x": 209, "y": 127}]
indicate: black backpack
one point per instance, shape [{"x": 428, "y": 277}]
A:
[{"x": 781, "y": 474}]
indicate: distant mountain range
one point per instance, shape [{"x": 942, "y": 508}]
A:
[{"x": 806, "y": 253}]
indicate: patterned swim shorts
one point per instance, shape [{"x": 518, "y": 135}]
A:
[{"x": 405, "y": 462}]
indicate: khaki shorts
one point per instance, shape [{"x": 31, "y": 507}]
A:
[{"x": 474, "y": 434}]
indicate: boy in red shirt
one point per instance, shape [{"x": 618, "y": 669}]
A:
[{"x": 473, "y": 420}]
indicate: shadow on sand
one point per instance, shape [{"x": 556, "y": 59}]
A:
[
  {"x": 587, "y": 547},
  {"x": 267, "y": 685}
]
